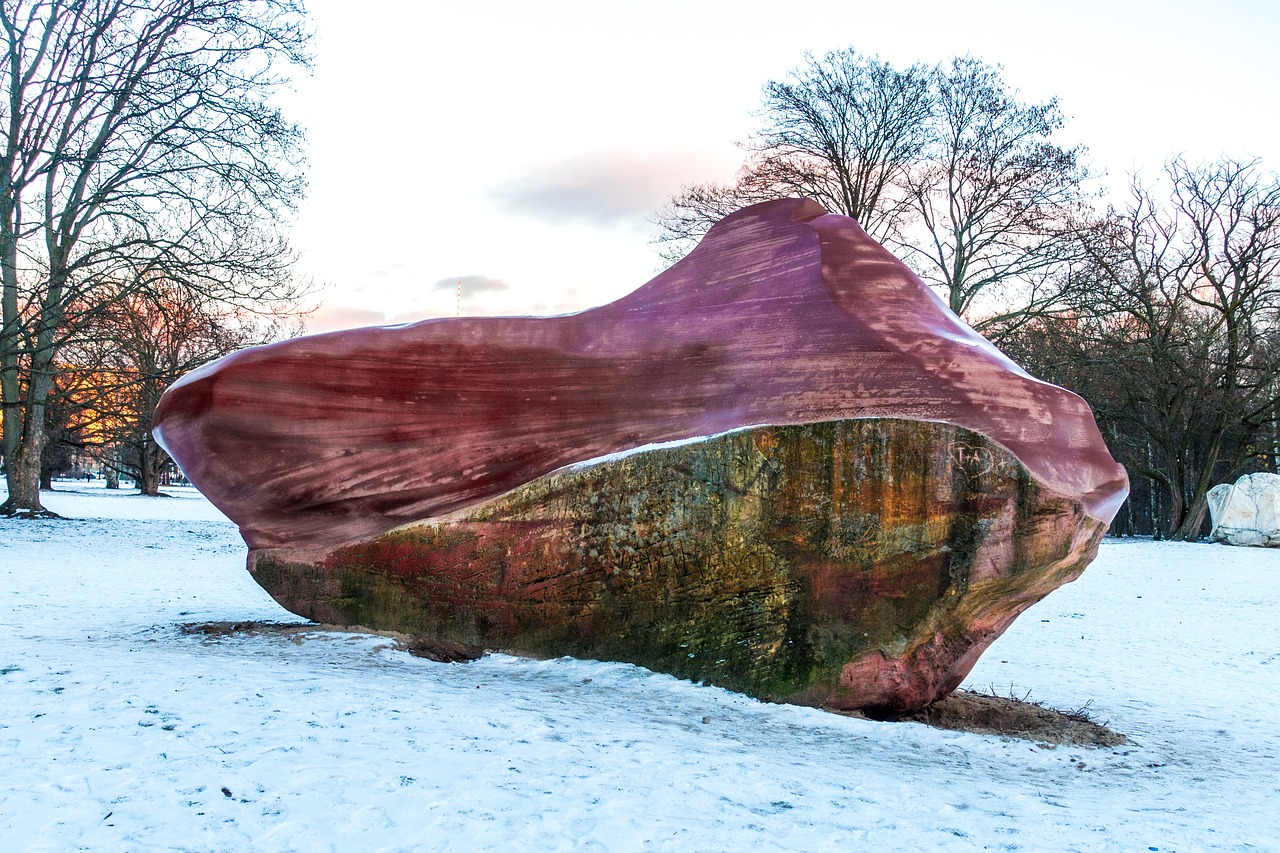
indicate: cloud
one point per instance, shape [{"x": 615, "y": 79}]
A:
[
  {"x": 471, "y": 284},
  {"x": 330, "y": 318},
  {"x": 605, "y": 187},
  {"x": 390, "y": 270}
]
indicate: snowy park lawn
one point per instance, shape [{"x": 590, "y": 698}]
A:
[{"x": 121, "y": 731}]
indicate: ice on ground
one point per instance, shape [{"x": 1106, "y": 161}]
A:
[{"x": 119, "y": 731}]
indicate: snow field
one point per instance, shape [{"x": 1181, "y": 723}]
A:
[{"x": 119, "y": 731}]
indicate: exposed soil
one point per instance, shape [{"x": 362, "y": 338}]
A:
[
  {"x": 980, "y": 713},
  {"x": 1009, "y": 716},
  {"x": 227, "y": 629}
]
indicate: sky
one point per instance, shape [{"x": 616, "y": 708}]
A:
[{"x": 522, "y": 148}]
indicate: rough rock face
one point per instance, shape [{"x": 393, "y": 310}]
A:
[
  {"x": 785, "y": 319},
  {"x": 1247, "y": 512},
  {"x": 849, "y": 564}
]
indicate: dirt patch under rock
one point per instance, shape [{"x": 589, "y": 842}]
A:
[
  {"x": 227, "y": 629},
  {"x": 980, "y": 713},
  {"x": 990, "y": 714}
]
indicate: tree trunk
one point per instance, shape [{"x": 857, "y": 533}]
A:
[
  {"x": 1174, "y": 512},
  {"x": 110, "y": 470},
  {"x": 148, "y": 469},
  {"x": 27, "y": 455},
  {"x": 23, "y": 477},
  {"x": 1189, "y": 530}
]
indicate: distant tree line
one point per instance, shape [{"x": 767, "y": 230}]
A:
[
  {"x": 1170, "y": 332},
  {"x": 1161, "y": 312}
]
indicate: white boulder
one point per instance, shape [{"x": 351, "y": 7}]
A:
[{"x": 1247, "y": 512}]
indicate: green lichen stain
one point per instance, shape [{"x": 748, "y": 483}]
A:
[{"x": 761, "y": 560}]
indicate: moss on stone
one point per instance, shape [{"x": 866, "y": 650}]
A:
[{"x": 762, "y": 560}]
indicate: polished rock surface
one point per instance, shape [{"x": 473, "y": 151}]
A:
[{"x": 784, "y": 314}]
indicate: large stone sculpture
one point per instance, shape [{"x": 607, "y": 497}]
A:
[
  {"x": 860, "y": 495},
  {"x": 1247, "y": 512}
]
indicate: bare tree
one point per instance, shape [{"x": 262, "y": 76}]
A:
[
  {"x": 946, "y": 165},
  {"x": 844, "y": 130},
  {"x": 150, "y": 338},
  {"x": 994, "y": 200},
  {"x": 1175, "y": 342},
  {"x": 135, "y": 134}
]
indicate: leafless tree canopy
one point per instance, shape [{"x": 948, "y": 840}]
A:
[
  {"x": 993, "y": 200},
  {"x": 844, "y": 131},
  {"x": 137, "y": 143},
  {"x": 944, "y": 164},
  {"x": 1174, "y": 336}
]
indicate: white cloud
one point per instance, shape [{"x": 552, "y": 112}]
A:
[
  {"x": 603, "y": 187},
  {"x": 471, "y": 284}
]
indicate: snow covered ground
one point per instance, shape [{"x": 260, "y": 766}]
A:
[{"x": 118, "y": 731}]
